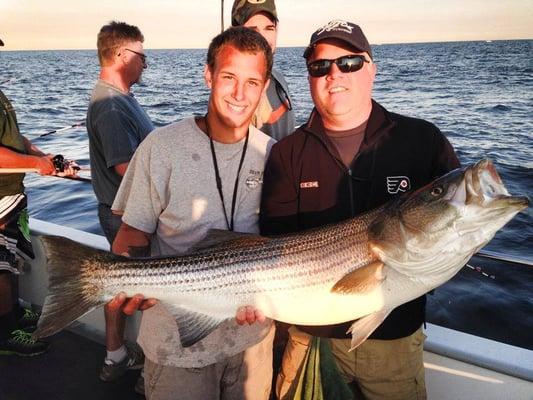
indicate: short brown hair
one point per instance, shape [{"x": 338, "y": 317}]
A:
[
  {"x": 114, "y": 35},
  {"x": 243, "y": 39}
]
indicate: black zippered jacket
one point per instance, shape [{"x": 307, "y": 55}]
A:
[{"x": 306, "y": 185}]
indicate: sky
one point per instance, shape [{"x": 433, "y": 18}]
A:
[{"x": 73, "y": 24}]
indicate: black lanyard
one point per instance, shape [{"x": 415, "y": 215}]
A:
[{"x": 229, "y": 224}]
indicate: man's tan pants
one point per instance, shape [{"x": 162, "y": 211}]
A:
[{"x": 380, "y": 369}]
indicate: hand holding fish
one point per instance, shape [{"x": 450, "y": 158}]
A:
[
  {"x": 130, "y": 305},
  {"x": 249, "y": 315}
]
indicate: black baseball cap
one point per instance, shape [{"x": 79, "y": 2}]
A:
[
  {"x": 1, "y": 43},
  {"x": 242, "y": 10},
  {"x": 342, "y": 30}
]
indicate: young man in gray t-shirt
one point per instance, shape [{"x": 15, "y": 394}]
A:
[{"x": 170, "y": 199}]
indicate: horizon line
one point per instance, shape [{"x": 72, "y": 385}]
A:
[{"x": 279, "y": 47}]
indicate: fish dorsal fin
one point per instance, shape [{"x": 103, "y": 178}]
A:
[
  {"x": 361, "y": 280},
  {"x": 193, "y": 326},
  {"x": 216, "y": 237},
  {"x": 363, "y": 327}
]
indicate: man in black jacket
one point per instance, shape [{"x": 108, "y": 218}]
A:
[{"x": 352, "y": 156}]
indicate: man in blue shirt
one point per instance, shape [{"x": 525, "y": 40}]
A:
[{"x": 116, "y": 124}]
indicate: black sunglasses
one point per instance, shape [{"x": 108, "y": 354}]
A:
[
  {"x": 143, "y": 56},
  {"x": 345, "y": 64}
]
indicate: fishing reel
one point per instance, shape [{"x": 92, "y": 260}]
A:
[{"x": 61, "y": 164}]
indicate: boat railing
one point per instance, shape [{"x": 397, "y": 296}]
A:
[{"x": 504, "y": 257}]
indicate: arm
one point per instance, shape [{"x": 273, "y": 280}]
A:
[
  {"x": 121, "y": 168},
  {"x": 12, "y": 159},
  {"x": 279, "y": 198},
  {"x": 278, "y": 213},
  {"x": 131, "y": 242},
  {"x": 33, "y": 150}
]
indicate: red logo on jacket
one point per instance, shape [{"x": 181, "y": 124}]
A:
[{"x": 308, "y": 185}]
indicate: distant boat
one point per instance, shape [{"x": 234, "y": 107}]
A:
[{"x": 488, "y": 41}]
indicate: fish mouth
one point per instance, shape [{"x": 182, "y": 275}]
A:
[{"x": 482, "y": 186}]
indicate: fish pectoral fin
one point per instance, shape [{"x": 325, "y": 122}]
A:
[
  {"x": 363, "y": 327},
  {"x": 361, "y": 280},
  {"x": 193, "y": 326}
]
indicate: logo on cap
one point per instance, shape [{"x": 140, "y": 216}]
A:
[
  {"x": 397, "y": 184},
  {"x": 336, "y": 25},
  {"x": 256, "y": 1}
]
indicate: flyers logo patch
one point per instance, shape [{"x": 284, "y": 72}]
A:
[
  {"x": 308, "y": 185},
  {"x": 397, "y": 184}
]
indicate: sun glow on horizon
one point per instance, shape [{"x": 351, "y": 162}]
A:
[{"x": 58, "y": 24}]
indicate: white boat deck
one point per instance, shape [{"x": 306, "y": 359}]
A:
[{"x": 458, "y": 365}]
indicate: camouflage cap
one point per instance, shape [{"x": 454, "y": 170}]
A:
[{"x": 244, "y": 9}]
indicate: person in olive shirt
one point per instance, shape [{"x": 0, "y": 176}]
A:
[{"x": 16, "y": 151}]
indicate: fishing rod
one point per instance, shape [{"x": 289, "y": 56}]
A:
[
  {"x": 60, "y": 165},
  {"x": 30, "y": 170},
  {"x": 221, "y": 15},
  {"x": 76, "y": 125}
]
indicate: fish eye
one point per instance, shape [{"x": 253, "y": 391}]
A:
[{"x": 437, "y": 191}]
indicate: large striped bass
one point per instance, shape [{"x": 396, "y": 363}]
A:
[{"x": 358, "y": 269}]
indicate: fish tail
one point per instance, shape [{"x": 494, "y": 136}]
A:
[{"x": 70, "y": 293}]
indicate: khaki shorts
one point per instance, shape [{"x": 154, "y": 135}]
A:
[
  {"x": 379, "y": 369},
  {"x": 247, "y": 375}
]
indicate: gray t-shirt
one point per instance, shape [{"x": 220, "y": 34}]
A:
[
  {"x": 116, "y": 125},
  {"x": 170, "y": 190}
]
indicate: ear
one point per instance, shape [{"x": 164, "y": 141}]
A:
[
  {"x": 373, "y": 71},
  {"x": 120, "y": 57},
  {"x": 208, "y": 76}
]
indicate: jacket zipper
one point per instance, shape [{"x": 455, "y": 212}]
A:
[
  {"x": 343, "y": 167},
  {"x": 350, "y": 186}
]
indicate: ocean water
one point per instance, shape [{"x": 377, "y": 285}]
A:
[{"x": 480, "y": 94}]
